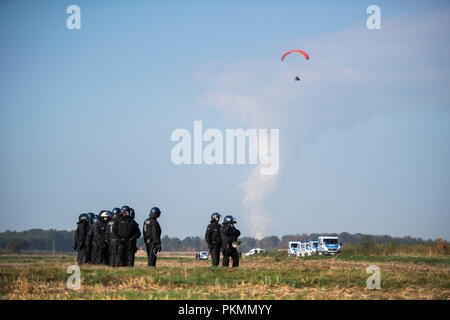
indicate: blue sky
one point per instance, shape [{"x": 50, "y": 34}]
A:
[{"x": 86, "y": 115}]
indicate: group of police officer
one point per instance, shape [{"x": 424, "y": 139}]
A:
[
  {"x": 110, "y": 237},
  {"x": 223, "y": 238}
]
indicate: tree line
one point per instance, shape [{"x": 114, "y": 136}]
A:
[{"x": 42, "y": 240}]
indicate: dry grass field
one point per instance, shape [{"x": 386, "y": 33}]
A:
[{"x": 268, "y": 276}]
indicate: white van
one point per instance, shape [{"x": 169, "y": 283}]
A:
[
  {"x": 305, "y": 249},
  {"x": 328, "y": 245},
  {"x": 254, "y": 251},
  {"x": 293, "y": 246}
]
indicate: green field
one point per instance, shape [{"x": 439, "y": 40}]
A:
[{"x": 269, "y": 276}]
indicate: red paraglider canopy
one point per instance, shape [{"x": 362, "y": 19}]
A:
[{"x": 299, "y": 51}]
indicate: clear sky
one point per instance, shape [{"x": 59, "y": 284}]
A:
[{"x": 86, "y": 115}]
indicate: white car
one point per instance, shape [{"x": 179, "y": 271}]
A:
[
  {"x": 254, "y": 251},
  {"x": 202, "y": 255}
]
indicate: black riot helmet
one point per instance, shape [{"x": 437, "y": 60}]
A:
[
  {"x": 96, "y": 217},
  {"x": 132, "y": 214},
  {"x": 82, "y": 217},
  {"x": 115, "y": 211},
  {"x": 229, "y": 219},
  {"x": 125, "y": 209},
  {"x": 215, "y": 215},
  {"x": 91, "y": 216},
  {"x": 155, "y": 212}
]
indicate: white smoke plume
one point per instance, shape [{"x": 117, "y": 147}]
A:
[
  {"x": 257, "y": 216},
  {"x": 352, "y": 75}
]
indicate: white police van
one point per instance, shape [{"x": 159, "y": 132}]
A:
[
  {"x": 328, "y": 245},
  {"x": 293, "y": 246},
  {"x": 316, "y": 249},
  {"x": 306, "y": 249}
]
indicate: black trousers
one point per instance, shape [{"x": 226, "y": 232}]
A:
[
  {"x": 82, "y": 255},
  {"x": 230, "y": 252},
  {"x": 113, "y": 253},
  {"x": 134, "y": 252},
  {"x": 215, "y": 255},
  {"x": 150, "y": 254},
  {"x": 126, "y": 252},
  {"x": 102, "y": 254},
  {"x": 88, "y": 253},
  {"x": 93, "y": 253}
]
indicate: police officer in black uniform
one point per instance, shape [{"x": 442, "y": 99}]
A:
[
  {"x": 91, "y": 216},
  {"x": 213, "y": 238},
  {"x": 101, "y": 238},
  {"x": 80, "y": 238},
  {"x": 229, "y": 235},
  {"x": 113, "y": 239},
  {"x": 136, "y": 236},
  {"x": 152, "y": 236},
  {"x": 126, "y": 230}
]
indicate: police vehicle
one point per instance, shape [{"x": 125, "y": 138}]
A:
[
  {"x": 328, "y": 245},
  {"x": 305, "y": 249},
  {"x": 202, "y": 255},
  {"x": 293, "y": 246},
  {"x": 254, "y": 251}
]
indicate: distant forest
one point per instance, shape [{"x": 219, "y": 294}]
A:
[{"x": 42, "y": 240}]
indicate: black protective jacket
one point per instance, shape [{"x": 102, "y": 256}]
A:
[
  {"x": 100, "y": 235},
  {"x": 90, "y": 235},
  {"x": 212, "y": 235},
  {"x": 81, "y": 234},
  {"x": 126, "y": 228},
  {"x": 152, "y": 231},
  {"x": 110, "y": 232},
  {"x": 228, "y": 234}
]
